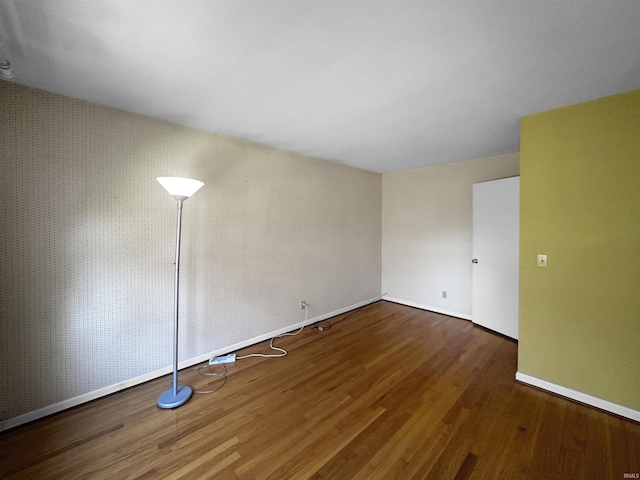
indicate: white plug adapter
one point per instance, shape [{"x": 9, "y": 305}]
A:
[{"x": 230, "y": 358}]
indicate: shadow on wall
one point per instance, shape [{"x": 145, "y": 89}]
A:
[{"x": 87, "y": 241}]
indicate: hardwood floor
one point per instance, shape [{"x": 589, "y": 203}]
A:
[{"x": 391, "y": 392}]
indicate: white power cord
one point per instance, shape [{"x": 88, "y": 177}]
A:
[
  {"x": 282, "y": 351},
  {"x": 210, "y": 373}
]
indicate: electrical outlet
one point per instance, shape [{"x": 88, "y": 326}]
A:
[
  {"x": 303, "y": 304},
  {"x": 444, "y": 294}
]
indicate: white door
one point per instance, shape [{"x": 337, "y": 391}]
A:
[{"x": 496, "y": 238}]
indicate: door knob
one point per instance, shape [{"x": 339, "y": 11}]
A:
[{"x": 475, "y": 260}]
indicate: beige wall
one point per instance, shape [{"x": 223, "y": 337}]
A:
[
  {"x": 427, "y": 231},
  {"x": 87, "y": 244}
]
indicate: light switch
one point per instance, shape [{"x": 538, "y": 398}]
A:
[{"x": 542, "y": 260}]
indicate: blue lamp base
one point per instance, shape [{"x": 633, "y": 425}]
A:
[{"x": 168, "y": 400}]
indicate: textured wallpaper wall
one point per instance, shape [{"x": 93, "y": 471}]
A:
[{"x": 87, "y": 244}]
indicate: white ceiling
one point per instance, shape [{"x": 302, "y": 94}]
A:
[{"x": 379, "y": 85}]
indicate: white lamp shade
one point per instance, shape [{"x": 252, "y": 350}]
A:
[{"x": 180, "y": 187}]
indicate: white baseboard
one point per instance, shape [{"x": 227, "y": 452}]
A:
[
  {"x": 579, "y": 396},
  {"x": 108, "y": 390},
  {"x": 427, "y": 307}
]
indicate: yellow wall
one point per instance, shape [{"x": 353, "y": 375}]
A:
[{"x": 580, "y": 205}]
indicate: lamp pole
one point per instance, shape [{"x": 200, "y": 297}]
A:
[
  {"x": 180, "y": 189},
  {"x": 176, "y": 294}
]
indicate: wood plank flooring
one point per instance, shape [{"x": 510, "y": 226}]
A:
[{"x": 391, "y": 392}]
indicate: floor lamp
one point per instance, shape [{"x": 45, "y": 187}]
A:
[{"x": 180, "y": 189}]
